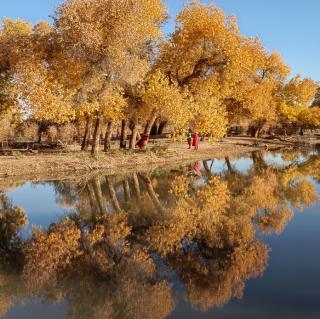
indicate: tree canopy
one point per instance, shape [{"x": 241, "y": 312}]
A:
[{"x": 105, "y": 61}]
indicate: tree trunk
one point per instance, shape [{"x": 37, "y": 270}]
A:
[
  {"x": 255, "y": 131},
  {"x": 150, "y": 123},
  {"x": 84, "y": 145},
  {"x": 258, "y": 161},
  {"x": 154, "y": 197},
  {"x": 154, "y": 129},
  {"x": 92, "y": 199},
  {"x": 123, "y": 138},
  {"x": 258, "y": 128},
  {"x": 126, "y": 189},
  {"x": 136, "y": 185},
  {"x": 207, "y": 168},
  {"x": 113, "y": 195},
  {"x": 133, "y": 139},
  {"x": 230, "y": 168},
  {"x": 39, "y": 136},
  {"x": 301, "y": 131},
  {"x": 89, "y": 136},
  {"x": 108, "y": 136},
  {"x": 162, "y": 127},
  {"x": 98, "y": 194},
  {"x": 96, "y": 135}
]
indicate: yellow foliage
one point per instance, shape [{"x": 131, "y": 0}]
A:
[
  {"x": 310, "y": 116},
  {"x": 291, "y": 113},
  {"x": 104, "y": 59},
  {"x": 299, "y": 91},
  {"x": 208, "y": 116}
]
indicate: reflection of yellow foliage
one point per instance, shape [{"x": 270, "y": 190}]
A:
[
  {"x": 301, "y": 193},
  {"x": 203, "y": 215},
  {"x": 260, "y": 194},
  {"x": 130, "y": 294},
  {"x": 212, "y": 282},
  {"x": 12, "y": 220},
  {"x": 48, "y": 253},
  {"x": 274, "y": 221},
  {"x": 6, "y": 300}
]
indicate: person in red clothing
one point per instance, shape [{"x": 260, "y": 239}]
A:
[
  {"x": 195, "y": 141},
  {"x": 197, "y": 170},
  {"x": 189, "y": 137},
  {"x": 143, "y": 141}
]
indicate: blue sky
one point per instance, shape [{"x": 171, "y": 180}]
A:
[{"x": 288, "y": 26}]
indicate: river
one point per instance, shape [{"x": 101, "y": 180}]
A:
[{"x": 232, "y": 238}]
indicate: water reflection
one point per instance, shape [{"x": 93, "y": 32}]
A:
[{"x": 131, "y": 238}]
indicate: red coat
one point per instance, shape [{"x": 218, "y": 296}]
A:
[
  {"x": 143, "y": 141},
  {"x": 195, "y": 140}
]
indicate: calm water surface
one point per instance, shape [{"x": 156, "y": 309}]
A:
[{"x": 215, "y": 239}]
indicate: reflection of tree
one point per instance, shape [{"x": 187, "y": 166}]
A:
[
  {"x": 219, "y": 248},
  {"x": 66, "y": 194},
  {"x": 152, "y": 194},
  {"x": 113, "y": 195},
  {"x": 215, "y": 276},
  {"x": 132, "y": 293},
  {"x": 7, "y": 291},
  {"x": 111, "y": 256},
  {"x": 258, "y": 161},
  {"x": 12, "y": 220},
  {"x": 268, "y": 193},
  {"x": 95, "y": 267}
]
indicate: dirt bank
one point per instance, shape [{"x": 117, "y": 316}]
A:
[{"x": 158, "y": 154}]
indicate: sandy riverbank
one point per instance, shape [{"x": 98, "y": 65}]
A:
[{"x": 77, "y": 163}]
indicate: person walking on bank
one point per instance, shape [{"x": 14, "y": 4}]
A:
[
  {"x": 195, "y": 141},
  {"x": 189, "y": 137},
  {"x": 143, "y": 141}
]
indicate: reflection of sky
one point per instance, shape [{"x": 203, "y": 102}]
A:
[
  {"x": 39, "y": 203},
  {"x": 242, "y": 164},
  {"x": 277, "y": 159},
  {"x": 219, "y": 166},
  {"x": 272, "y": 158},
  {"x": 38, "y": 310}
]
